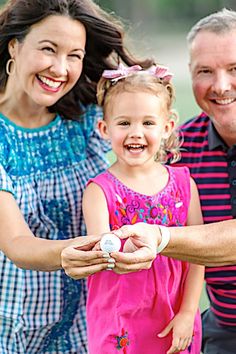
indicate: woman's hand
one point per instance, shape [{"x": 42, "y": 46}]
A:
[
  {"x": 79, "y": 260},
  {"x": 139, "y": 249}
]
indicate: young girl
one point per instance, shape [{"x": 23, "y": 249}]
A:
[{"x": 155, "y": 310}]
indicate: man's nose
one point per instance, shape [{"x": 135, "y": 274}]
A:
[{"x": 222, "y": 83}]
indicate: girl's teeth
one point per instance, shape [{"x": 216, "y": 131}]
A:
[{"x": 135, "y": 146}]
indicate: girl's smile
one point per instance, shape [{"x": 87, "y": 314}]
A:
[{"x": 136, "y": 130}]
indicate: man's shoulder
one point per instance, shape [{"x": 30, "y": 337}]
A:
[{"x": 198, "y": 123}]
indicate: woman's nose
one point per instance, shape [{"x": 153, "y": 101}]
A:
[{"x": 59, "y": 67}]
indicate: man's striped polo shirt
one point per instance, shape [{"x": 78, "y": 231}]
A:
[{"x": 213, "y": 166}]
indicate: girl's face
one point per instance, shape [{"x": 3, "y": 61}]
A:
[
  {"x": 48, "y": 62},
  {"x": 136, "y": 122}
]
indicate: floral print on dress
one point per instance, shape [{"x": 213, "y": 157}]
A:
[
  {"x": 122, "y": 341},
  {"x": 165, "y": 210}
]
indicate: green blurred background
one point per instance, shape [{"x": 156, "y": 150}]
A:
[{"x": 158, "y": 28}]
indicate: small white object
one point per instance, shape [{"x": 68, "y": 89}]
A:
[
  {"x": 110, "y": 243},
  {"x": 165, "y": 238}
]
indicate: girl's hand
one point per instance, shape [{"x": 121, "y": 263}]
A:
[
  {"x": 79, "y": 260},
  {"x": 182, "y": 331},
  {"x": 139, "y": 249}
]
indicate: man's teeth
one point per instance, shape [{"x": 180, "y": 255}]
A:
[
  {"x": 225, "y": 101},
  {"x": 50, "y": 83}
]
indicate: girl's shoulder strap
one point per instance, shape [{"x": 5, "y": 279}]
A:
[
  {"x": 181, "y": 177},
  {"x": 106, "y": 182}
]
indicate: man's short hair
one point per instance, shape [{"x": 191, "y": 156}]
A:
[{"x": 219, "y": 22}]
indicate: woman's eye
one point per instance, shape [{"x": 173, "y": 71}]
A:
[
  {"x": 48, "y": 49},
  {"x": 77, "y": 56}
]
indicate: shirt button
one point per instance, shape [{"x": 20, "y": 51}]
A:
[
  {"x": 234, "y": 182},
  {"x": 233, "y": 163},
  {"x": 234, "y": 200}
]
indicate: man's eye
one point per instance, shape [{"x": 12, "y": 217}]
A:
[{"x": 204, "y": 71}]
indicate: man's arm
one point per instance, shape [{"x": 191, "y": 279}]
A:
[{"x": 211, "y": 245}]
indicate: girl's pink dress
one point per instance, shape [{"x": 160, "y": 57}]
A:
[{"x": 126, "y": 312}]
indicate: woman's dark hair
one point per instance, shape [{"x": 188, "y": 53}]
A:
[{"x": 104, "y": 44}]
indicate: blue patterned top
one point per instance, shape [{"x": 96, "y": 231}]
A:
[{"x": 46, "y": 169}]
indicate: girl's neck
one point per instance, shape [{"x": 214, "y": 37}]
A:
[{"x": 144, "y": 181}]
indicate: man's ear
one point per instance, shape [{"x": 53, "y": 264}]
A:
[{"x": 102, "y": 126}]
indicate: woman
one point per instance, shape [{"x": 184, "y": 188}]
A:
[{"x": 52, "y": 54}]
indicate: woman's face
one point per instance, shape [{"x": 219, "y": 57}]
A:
[{"x": 49, "y": 61}]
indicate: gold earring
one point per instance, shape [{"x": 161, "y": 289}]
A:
[{"x": 9, "y": 64}]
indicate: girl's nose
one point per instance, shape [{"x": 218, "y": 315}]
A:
[{"x": 136, "y": 133}]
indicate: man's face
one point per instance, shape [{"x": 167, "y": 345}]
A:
[{"x": 213, "y": 71}]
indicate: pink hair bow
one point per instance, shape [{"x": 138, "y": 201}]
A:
[
  {"x": 161, "y": 72},
  {"x": 122, "y": 71}
]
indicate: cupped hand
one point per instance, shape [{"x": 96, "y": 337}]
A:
[
  {"x": 79, "y": 260},
  {"x": 140, "y": 248}
]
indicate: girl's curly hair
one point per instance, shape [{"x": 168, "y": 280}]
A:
[{"x": 145, "y": 82}]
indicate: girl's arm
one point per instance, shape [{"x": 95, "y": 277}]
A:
[
  {"x": 182, "y": 323},
  {"x": 30, "y": 252},
  {"x": 195, "y": 278},
  {"x": 95, "y": 210}
]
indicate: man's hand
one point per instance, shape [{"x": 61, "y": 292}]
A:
[{"x": 139, "y": 249}]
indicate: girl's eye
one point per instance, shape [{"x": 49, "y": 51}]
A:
[
  {"x": 149, "y": 122},
  {"x": 124, "y": 123}
]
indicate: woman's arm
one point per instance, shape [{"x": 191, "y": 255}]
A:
[{"x": 28, "y": 251}]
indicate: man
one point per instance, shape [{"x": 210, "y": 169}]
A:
[{"x": 209, "y": 151}]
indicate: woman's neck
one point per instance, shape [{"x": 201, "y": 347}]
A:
[{"x": 25, "y": 116}]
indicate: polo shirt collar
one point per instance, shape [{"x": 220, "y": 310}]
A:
[{"x": 214, "y": 139}]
